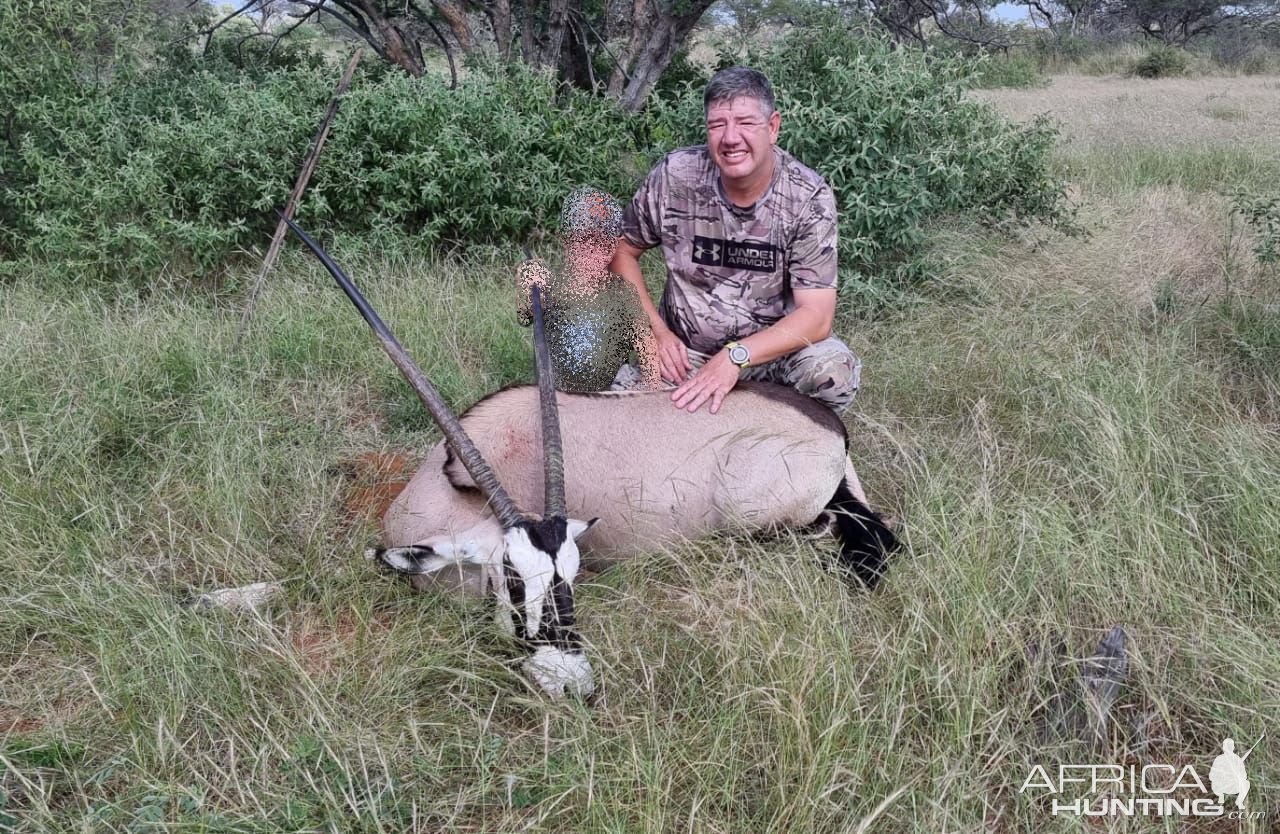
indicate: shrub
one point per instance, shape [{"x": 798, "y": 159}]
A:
[
  {"x": 1018, "y": 70},
  {"x": 1262, "y": 213},
  {"x": 190, "y": 167},
  {"x": 183, "y": 163},
  {"x": 1161, "y": 62}
]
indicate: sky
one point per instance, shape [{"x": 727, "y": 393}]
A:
[{"x": 1011, "y": 12}]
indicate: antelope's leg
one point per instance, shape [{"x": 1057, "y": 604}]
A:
[{"x": 851, "y": 478}]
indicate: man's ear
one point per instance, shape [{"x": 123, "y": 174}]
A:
[
  {"x": 577, "y": 528},
  {"x": 775, "y": 123}
]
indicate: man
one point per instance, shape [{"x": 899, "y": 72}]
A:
[{"x": 749, "y": 239}]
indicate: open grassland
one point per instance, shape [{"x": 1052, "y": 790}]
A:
[
  {"x": 1203, "y": 134},
  {"x": 1121, "y": 59},
  {"x": 1071, "y": 433}
]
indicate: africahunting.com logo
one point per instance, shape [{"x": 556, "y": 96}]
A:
[{"x": 1108, "y": 790}]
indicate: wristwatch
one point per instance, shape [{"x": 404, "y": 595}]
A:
[{"x": 739, "y": 355}]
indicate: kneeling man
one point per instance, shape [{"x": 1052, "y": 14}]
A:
[{"x": 749, "y": 238}]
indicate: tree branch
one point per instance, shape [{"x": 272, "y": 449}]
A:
[
  {"x": 215, "y": 27},
  {"x": 448, "y": 53},
  {"x": 301, "y": 20},
  {"x": 603, "y": 44},
  {"x": 359, "y": 26},
  {"x": 582, "y": 39}
]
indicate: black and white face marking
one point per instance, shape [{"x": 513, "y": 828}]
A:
[
  {"x": 536, "y": 599},
  {"x": 538, "y": 569}
]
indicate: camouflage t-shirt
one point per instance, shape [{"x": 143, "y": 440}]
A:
[{"x": 730, "y": 270}]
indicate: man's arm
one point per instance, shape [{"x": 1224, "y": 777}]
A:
[
  {"x": 672, "y": 355},
  {"x": 808, "y": 323}
]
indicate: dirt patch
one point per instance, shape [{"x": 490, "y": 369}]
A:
[
  {"x": 324, "y": 646},
  {"x": 374, "y": 480},
  {"x": 40, "y": 689},
  {"x": 15, "y": 721}
]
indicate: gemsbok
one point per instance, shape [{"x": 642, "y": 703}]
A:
[{"x": 649, "y": 473}]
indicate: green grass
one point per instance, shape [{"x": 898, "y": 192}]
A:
[
  {"x": 1209, "y": 168},
  {"x": 1060, "y": 458}
]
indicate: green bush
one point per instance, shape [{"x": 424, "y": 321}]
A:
[
  {"x": 1262, "y": 213},
  {"x": 1018, "y": 70},
  {"x": 1161, "y": 62},
  {"x": 188, "y": 167},
  {"x": 181, "y": 164}
]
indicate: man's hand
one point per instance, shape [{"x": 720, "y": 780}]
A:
[
  {"x": 712, "y": 381},
  {"x": 673, "y": 356}
]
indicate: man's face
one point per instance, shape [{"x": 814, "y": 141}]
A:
[{"x": 741, "y": 135}]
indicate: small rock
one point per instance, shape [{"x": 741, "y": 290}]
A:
[
  {"x": 246, "y": 598},
  {"x": 1103, "y": 676}
]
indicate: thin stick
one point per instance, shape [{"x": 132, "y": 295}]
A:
[{"x": 308, "y": 166}]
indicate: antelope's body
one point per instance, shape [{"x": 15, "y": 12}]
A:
[{"x": 653, "y": 474}]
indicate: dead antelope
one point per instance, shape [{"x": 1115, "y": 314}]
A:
[
  {"x": 533, "y": 569},
  {"x": 653, "y": 474}
]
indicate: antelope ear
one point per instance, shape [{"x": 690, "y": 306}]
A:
[
  {"x": 577, "y": 528},
  {"x": 413, "y": 560},
  {"x": 419, "y": 559}
]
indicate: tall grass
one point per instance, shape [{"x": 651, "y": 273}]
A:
[
  {"x": 1121, "y": 136},
  {"x": 1061, "y": 457}
]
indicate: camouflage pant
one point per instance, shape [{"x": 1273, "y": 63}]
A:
[{"x": 827, "y": 371}]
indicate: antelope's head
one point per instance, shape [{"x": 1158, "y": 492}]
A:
[{"x": 533, "y": 572}]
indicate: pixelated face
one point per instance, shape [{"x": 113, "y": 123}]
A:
[
  {"x": 740, "y": 136},
  {"x": 589, "y": 253}
]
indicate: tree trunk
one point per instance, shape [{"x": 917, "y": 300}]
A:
[
  {"x": 393, "y": 46},
  {"x": 500, "y": 19},
  {"x": 640, "y": 19},
  {"x": 528, "y": 33},
  {"x": 456, "y": 17},
  {"x": 653, "y": 44},
  {"x": 557, "y": 25}
]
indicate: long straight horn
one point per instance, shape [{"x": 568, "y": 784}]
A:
[
  {"x": 507, "y": 511},
  {"x": 552, "y": 448}
]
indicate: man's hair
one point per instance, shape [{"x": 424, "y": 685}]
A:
[
  {"x": 738, "y": 82},
  {"x": 588, "y": 211}
]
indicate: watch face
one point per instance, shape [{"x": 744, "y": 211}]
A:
[{"x": 739, "y": 354}]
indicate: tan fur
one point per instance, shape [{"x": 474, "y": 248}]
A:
[{"x": 651, "y": 473}]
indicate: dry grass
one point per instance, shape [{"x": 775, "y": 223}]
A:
[
  {"x": 1141, "y": 246},
  {"x": 1100, "y": 113}
]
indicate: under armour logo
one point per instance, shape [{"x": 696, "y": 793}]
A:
[
  {"x": 708, "y": 251},
  {"x": 702, "y": 253},
  {"x": 750, "y": 255}
]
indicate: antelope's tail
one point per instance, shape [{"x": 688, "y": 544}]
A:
[{"x": 865, "y": 541}]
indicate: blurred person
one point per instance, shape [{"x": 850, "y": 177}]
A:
[{"x": 593, "y": 320}]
